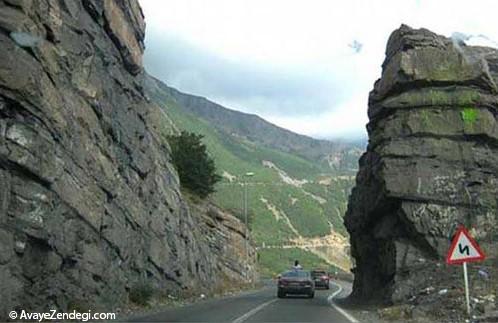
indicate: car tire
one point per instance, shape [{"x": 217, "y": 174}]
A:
[
  {"x": 311, "y": 295},
  {"x": 280, "y": 294},
  {"x": 327, "y": 286}
]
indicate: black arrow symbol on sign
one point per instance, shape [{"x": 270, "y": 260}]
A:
[{"x": 463, "y": 249}]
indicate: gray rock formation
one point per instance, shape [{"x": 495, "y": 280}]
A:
[
  {"x": 431, "y": 161},
  {"x": 89, "y": 202}
]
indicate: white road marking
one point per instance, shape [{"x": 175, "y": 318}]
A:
[
  {"x": 255, "y": 310},
  {"x": 330, "y": 299}
]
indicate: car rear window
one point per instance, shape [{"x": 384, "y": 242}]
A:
[
  {"x": 318, "y": 273},
  {"x": 296, "y": 273}
]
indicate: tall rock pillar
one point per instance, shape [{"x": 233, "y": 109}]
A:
[{"x": 431, "y": 161}]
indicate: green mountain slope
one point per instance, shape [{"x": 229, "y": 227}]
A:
[{"x": 295, "y": 193}]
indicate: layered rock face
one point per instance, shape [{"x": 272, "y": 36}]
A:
[
  {"x": 431, "y": 162},
  {"x": 89, "y": 202}
]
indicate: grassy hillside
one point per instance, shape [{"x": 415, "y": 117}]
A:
[
  {"x": 289, "y": 195},
  {"x": 275, "y": 261}
]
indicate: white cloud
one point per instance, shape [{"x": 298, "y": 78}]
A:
[
  {"x": 344, "y": 121},
  {"x": 292, "y": 41}
]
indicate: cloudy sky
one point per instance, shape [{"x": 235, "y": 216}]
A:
[{"x": 305, "y": 65}]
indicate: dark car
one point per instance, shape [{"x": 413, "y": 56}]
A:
[
  {"x": 321, "y": 278},
  {"x": 297, "y": 282}
]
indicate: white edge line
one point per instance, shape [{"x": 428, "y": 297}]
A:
[
  {"x": 337, "y": 308},
  {"x": 255, "y": 310}
]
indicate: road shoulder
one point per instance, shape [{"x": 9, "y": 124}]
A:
[
  {"x": 360, "y": 313},
  {"x": 343, "y": 290}
]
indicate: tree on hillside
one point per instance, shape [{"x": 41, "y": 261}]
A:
[{"x": 196, "y": 169}]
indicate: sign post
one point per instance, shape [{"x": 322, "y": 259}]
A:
[
  {"x": 464, "y": 249},
  {"x": 466, "y": 280}
]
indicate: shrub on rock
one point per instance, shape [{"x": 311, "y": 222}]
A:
[{"x": 195, "y": 167}]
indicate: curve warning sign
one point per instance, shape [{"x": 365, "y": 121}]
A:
[{"x": 464, "y": 248}]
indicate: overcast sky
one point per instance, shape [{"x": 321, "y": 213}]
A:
[{"x": 305, "y": 65}]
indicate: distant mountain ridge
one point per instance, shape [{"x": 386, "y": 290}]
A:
[{"x": 338, "y": 155}]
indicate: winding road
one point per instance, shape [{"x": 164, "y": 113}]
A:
[{"x": 261, "y": 306}]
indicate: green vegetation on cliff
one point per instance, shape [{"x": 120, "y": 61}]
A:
[
  {"x": 469, "y": 115},
  {"x": 196, "y": 169}
]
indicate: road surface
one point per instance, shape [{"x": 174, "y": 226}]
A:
[{"x": 259, "y": 306}]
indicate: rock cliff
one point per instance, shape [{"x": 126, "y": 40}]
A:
[
  {"x": 89, "y": 202},
  {"x": 431, "y": 161}
]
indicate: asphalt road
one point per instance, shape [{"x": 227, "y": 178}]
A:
[{"x": 260, "y": 306}]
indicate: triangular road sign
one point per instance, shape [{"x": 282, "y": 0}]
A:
[{"x": 464, "y": 248}]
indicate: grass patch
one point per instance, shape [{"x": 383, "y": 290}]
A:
[{"x": 469, "y": 115}]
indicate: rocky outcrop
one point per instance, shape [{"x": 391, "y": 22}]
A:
[
  {"x": 431, "y": 161},
  {"x": 226, "y": 237},
  {"x": 89, "y": 202}
]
